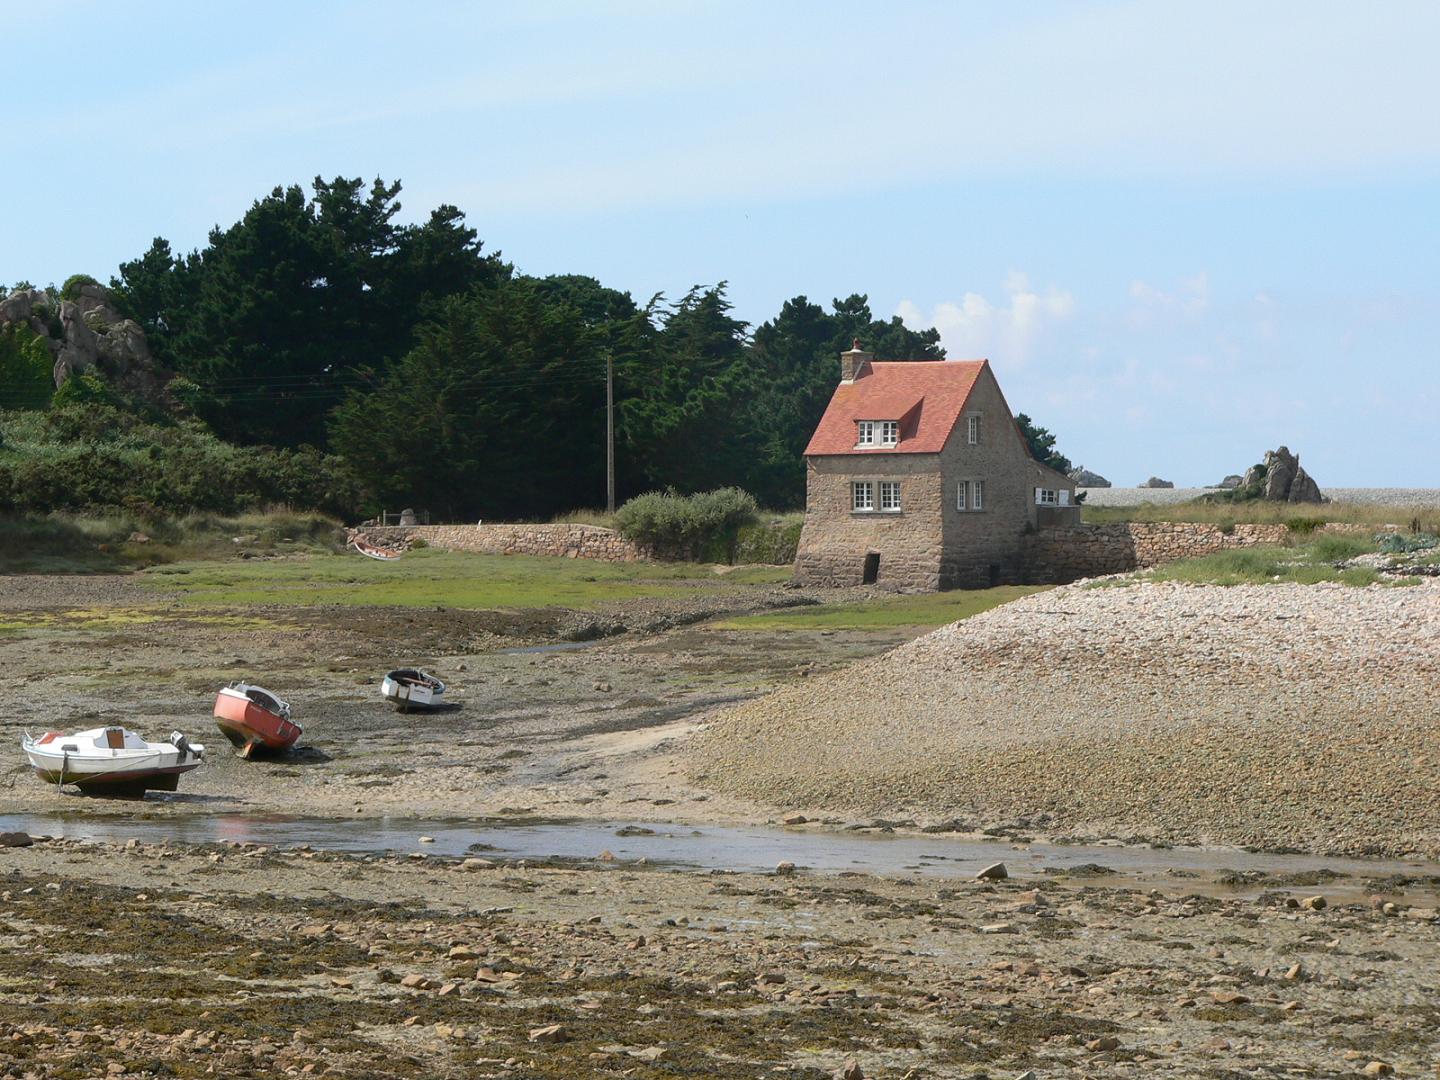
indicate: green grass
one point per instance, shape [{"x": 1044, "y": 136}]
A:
[
  {"x": 922, "y": 610},
  {"x": 433, "y": 578},
  {"x": 1307, "y": 564}
]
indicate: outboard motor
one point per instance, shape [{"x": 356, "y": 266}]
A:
[{"x": 181, "y": 743}]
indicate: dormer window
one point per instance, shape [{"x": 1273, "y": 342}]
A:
[{"x": 878, "y": 433}]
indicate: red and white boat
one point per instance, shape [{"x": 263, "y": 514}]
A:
[
  {"x": 252, "y": 716},
  {"x": 111, "y": 760},
  {"x": 374, "y": 551}
]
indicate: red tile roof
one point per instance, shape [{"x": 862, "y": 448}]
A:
[{"x": 926, "y": 396}]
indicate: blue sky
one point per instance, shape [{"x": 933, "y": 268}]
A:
[{"x": 1183, "y": 233}]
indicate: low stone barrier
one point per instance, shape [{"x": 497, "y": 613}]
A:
[
  {"x": 569, "y": 541},
  {"x": 1068, "y": 554}
]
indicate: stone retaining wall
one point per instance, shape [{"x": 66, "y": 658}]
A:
[
  {"x": 1067, "y": 554},
  {"x": 570, "y": 541}
]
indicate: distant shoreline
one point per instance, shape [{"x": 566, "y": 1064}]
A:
[{"x": 1376, "y": 496}]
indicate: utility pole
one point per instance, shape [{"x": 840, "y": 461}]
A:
[{"x": 609, "y": 433}]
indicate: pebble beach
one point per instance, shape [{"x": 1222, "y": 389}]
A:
[{"x": 1277, "y": 716}]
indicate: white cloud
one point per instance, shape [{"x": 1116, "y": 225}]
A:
[
  {"x": 973, "y": 326},
  {"x": 1191, "y": 296}
]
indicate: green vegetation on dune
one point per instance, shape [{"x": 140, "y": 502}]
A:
[
  {"x": 901, "y": 610},
  {"x": 433, "y": 578}
]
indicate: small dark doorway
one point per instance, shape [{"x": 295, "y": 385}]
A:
[{"x": 872, "y": 568}]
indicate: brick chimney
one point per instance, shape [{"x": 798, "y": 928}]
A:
[{"x": 854, "y": 362}]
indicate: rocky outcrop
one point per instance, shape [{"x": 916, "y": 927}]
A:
[
  {"x": 1083, "y": 477},
  {"x": 1279, "y": 478},
  {"x": 1156, "y": 482},
  {"x": 1232, "y": 481},
  {"x": 89, "y": 335}
]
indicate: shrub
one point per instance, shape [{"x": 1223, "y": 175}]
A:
[
  {"x": 71, "y": 289},
  {"x": 687, "y": 525},
  {"x": 1397, "y": 544},
  {"x": 773, "y": 542},
  {"x": 1303, "y": 526},
  {"x": 26, "y": 367}
]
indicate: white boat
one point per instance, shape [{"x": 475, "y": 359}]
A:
[
  {"x": 111, "y": 760},
  {"x": 408, "y": 687}
]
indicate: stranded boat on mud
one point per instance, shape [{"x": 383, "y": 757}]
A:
[
  {"x": 411, "y": 687},
  {"x": 251, "y": 716},
  {"x": 111, "y": 760}
]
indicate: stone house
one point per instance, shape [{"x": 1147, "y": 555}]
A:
[{"x": 918, "y": 478}]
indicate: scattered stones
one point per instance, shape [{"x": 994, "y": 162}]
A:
[
  {"x": 784, "y": 868},
  {"x": 849, "y": 1071},
  {"x": 794, "y": 819},
  {"x": 16, "y": 839},
  {"x": 1378, "y": 1068},
  {"x": 552, "y": 1033},
  {"x": 1103, "y": 1044},
  {"x": 993, "y": 872},
  {"x": 1314, "y": 903}
]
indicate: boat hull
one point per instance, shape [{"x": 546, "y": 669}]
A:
[
  {"x": 119, "y": 782},
  {"x": 111, "y": 761},
  {"x": 250, "y": 726},
  {"x": 412, "y": 690}
]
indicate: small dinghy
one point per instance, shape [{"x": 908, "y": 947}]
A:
[
  {"x": 409, "y": 687},
  {"x": 374, "y": 551},
  {"x": 251, "y": 716},
  {"x": 111, "y": 760}
]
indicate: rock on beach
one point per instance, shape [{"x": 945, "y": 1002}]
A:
[{"x": 1278, "y": 715}]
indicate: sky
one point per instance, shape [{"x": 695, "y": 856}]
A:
[{"x": 1183, "y": 233}]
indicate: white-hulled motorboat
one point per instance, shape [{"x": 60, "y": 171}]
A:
[
  {"x": 411, "y": 687},
  {"x": 111, "y": 760}
]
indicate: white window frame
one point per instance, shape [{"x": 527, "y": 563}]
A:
[
  {"x": 889, "y": 489},
  {"x": 970, "y": 496},
  {"x": 857, "y": 504},
  {"x": 889, "y": 432},
  {"x": 865, "y": 433},
  {"x": 1046, "y": 497},
  {"x": 972, "y": 428},
  {"x": 1064, "y": 495}
]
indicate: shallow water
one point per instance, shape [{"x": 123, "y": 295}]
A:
[{"x": 707, "y": 847}]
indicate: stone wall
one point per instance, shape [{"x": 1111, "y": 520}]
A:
[
  {"x": 836, "y": 540},
  {"x": 570, "y": 541},
  {"x": 1068, "y": 554}
]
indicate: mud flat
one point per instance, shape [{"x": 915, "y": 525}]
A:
[
  {"x": 142, "y": 959},
  {"x": 1280, "y": 716}
]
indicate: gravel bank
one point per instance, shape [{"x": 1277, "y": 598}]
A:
[
  {"x": 1138, "y": 496},
  {"x": 1279, "y": 715}
]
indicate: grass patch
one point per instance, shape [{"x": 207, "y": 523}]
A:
[
  {"x": 918, "y": 610},
  {"x": 89, "y": 544},
  {"x": 1309, "y": 564},
  {"x": 451, "y": 579},
  {"x": 1259, "y": 512}
]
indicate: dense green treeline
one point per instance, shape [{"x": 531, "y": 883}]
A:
[{"x": 410, "y": 366}]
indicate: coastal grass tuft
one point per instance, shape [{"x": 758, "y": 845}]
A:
[{"x": 922, "y": 610}]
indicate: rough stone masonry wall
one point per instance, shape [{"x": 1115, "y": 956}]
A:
[
  {"x": 1067, "y": 554},
  {"x": 570, "y": 541},
  {"x": 836, "y": 540}
]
